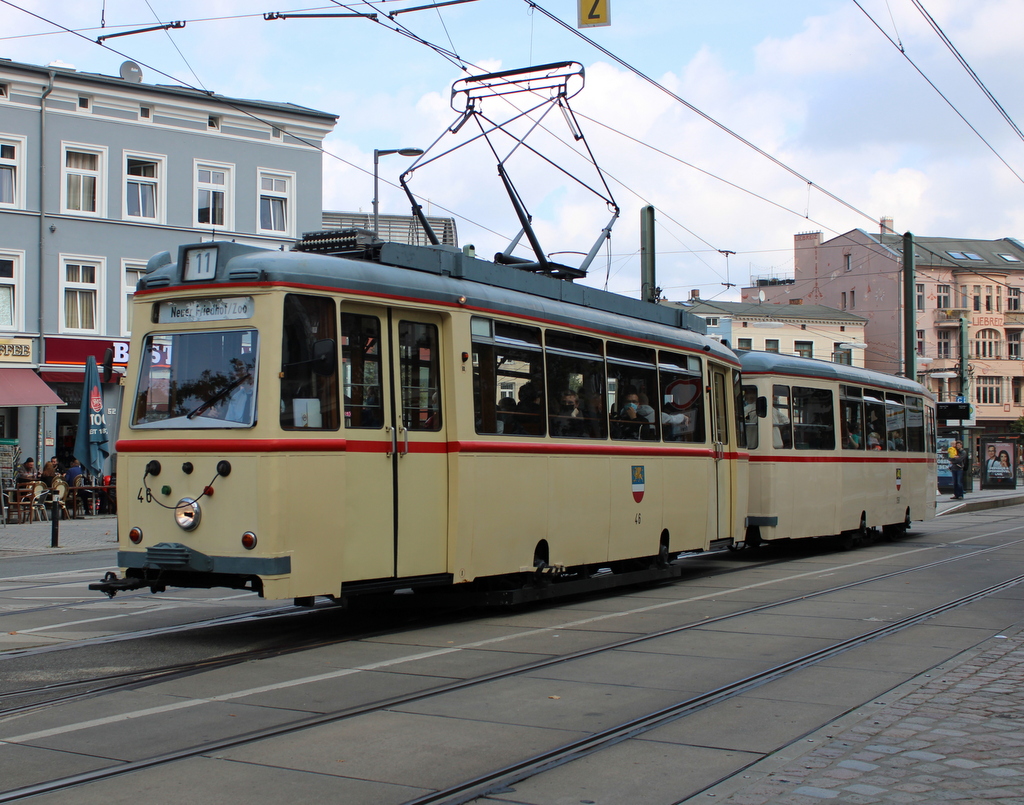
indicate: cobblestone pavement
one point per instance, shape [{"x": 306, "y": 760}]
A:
[
  {"x": 84, "y": 534},
  {"x": 955, "y": 734}
]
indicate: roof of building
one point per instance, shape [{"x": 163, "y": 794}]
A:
[
  {"x": 756, "y": 311},
  {"x": 70, "y": 73},
  {"x": 956, "y": 252}
]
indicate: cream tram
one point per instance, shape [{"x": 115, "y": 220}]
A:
[
  {"x": 834, "y": 449},
  {"x": 355, "y": 417}
]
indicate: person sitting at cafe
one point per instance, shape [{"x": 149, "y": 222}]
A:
[
  {"x": 49, "y": 472},
  {"x": 27, "y": 471},
  {"x": 73, "y": 471}
]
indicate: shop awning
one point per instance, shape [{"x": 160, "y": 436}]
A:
[{"x": 24, "y": 387}]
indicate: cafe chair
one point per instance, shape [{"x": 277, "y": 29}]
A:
[
  {"x": 38, "y": 496},
  {"x": 86, "y": 498},
  {"x": 61, "y": 489}
]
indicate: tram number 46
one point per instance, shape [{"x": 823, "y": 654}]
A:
[
  {"x": 149, "y": 495},
  {"x": 637, "y": 518}
]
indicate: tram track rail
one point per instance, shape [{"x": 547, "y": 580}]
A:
[{"x": 480, "y": 785}]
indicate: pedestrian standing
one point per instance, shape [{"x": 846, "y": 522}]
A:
[{"x": 957, "y": 464}]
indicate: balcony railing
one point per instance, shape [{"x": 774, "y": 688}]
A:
[{"x": 951, "y": 315}]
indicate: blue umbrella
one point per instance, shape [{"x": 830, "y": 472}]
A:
[{"x": 91, "y": 443}]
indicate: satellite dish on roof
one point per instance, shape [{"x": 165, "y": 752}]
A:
[
  {"x": 130, "y": 71},
  {"x": 760, "y": 296}
]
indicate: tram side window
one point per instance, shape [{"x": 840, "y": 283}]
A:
[
  {"x": 682, "y": 398},
  {"x": 420, "y": 375},
  {"x": 738, "y": 404},
  {"x": 930, "y": 432},
  {"x": 915, "y": 424},
  {"x": 636, "y": 408},
  {"x": 508, "y": 371},
  {"x": 895, "y": 422},
  {"x": 782, "y": 419},
  {"x": 309, "y": 399},
  {"x": 874, "y": 411},
  {"x": 813, "y": 419},
  {"x": 851, "y": 418},
  {"x": 749, "y": 408},
  {"x": 575, "y": 375},
  {"x": 361, "y": 370}
]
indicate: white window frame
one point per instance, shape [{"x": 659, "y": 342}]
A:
[
  {"x": 137, "y": 268},
  {"x": 17, "y": 256},
  {"x": 288, "y": 196},
  {"x": 18, "y": 164},
  {"x": 228, "y": 169},
  {"x": 159, "y": 183},
  {"x": 100, "y": 263},
  {"x": 100, "y": 175}
]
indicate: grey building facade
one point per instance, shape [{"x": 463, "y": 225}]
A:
[{"x": 97, "y": 174}]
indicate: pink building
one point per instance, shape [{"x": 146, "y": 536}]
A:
[{"x": 959, "y": 283}]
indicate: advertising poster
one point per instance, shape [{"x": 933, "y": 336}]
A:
[
  {"x": 945, "y": 477},
  {"x": 998, "y": 464}
]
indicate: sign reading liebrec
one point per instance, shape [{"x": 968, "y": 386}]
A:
[
  {"x": 235, "y": 307},
  {"x": 593, "y": 13}
]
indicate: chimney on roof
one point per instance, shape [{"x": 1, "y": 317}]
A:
[
  {"x": 695, "y": 295},
  {"x": 886, "y": 225}
]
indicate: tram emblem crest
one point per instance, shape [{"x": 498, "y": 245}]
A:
[
  {"x": 638, "y": 482},
  {"x": 899, "y": 478}
]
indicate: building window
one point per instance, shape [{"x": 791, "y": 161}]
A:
[
  {"x": 1013, "y": 345},
  {"x": 143, "y": 186},
  {"x": 745, "y": 343},
  {"x": 986, "y": 344},
  {"x": 213, "y": 197},
  {"x": 988, "y": 298},
  {"x": 841, "y": 354},
  {"x": 920, "y": 343},
  {"x": 977, "y": 298},
  {"x": 80, "y": 283},
  {"x": 712, "y": 321},
  {"x": 944, "y": 345},
  {"x": 989, "y": 391},
  {"x": 276, "y": 214},
  {"x": 848, "y": 260},
  {"x": 5, "y": 93},
  {"x": 11, "y": 281},
  {"x": 213, "y": 122},
  {"x": 771, "y": 345},
  {"x": 83, "y": 180},
  {"x": 853, "y": 300},
  {"x": 919, "y": 287},
  {"x": 12, "y": 171},
  {"x": 133, "y": 272},
  {"x": 145, "y": 112},
  {"x": 1013, "y": 299},
  {"x": 942, "y": 297},
  {"x": 83, "y": 102},
  {"x": 964, "y": 298},
  {"x": 1009, "y": 258},
  {"x": 805, "y": 349},
  {"x": 844, "y": 301}
]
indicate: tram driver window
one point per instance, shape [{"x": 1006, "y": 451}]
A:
[
  {"x": 309, "y": 394},
  {"x": 749, "y": 409},
  {"x": 813, "y": 419},
  {"x": 361, "y": 370},
  {"x": 508, "y": 378}
]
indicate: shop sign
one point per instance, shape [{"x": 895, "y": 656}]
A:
[
  {"x": 16, "y": 350},
  {"x": 74, "y": 351}
]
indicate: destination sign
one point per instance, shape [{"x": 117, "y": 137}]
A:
[{"x": 234, "y": 307}]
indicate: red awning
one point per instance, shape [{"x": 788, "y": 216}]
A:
[
  {"x": 23, "y": 387},
  {"x": 77, "y": 377}
]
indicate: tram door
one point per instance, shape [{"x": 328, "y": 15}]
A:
[
  {"x": 723, "y": 446},
  {"x": 396, "y": 431}
]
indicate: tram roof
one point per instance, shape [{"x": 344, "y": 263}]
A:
[
  {"x": 445, "y": 274},
  {"x": 755, "y": 362}
]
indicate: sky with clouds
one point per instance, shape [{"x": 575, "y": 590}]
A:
[{"x": 846, "y": 129}]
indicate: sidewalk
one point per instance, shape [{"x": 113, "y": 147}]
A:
[{"x": 74, "y": 536}]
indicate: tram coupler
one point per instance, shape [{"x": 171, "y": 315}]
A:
[{"x": 112, "y": 585}]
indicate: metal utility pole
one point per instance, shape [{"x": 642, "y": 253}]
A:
[
  {"x": 648, "y": 289},
  {"x": 909, "y": 319}
]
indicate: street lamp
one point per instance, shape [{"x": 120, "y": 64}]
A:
[{"x": 377, "y": 154}]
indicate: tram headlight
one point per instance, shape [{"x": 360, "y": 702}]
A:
[{"x": 187, "y": 514}]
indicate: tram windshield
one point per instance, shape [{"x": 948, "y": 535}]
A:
[{"x": 197, "y": 380}]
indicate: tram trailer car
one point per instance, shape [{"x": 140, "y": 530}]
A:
[
  {"x": 415, "y": 418},
  {"x": 834, "y": 449}
]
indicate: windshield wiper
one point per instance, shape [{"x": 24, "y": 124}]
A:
[{"x": 220, "y": 395}]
